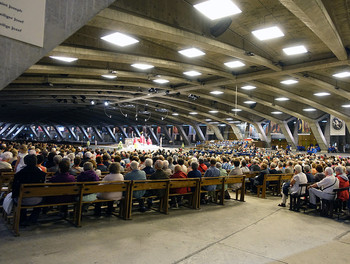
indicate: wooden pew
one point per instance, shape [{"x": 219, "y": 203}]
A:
[
  {"x": 237, "y": 179},
  {"x": 269, "y": 178},
  {"x": 186, "y": 183},
  {"x": 6, "y": 180},
  {"x": 46, "y": 190},
  {"x": 103, "y": 187},
  {"x": 207, "y": 181}
]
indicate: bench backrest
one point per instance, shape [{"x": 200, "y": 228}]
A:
[
  {"x": 49, "y": 189},
  {"x": 205, "y": 181},
  {"x": 138, "y": 185},
  {"x": 103, "y": 187},
  {"x": 180, "y": 183}
]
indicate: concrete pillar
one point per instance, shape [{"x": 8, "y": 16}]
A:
[
  {"x": 33, "y": 131},
  {"x": 153, "y": 135},
  {"x": 320, "y": 138},
  {"x": 137, "y": 131},
  {"x": 17, "y": 132},
  {"x": 123, "y": 132},
  {"x": 262, "y": 134},
  {"x": 98, "y": 134},
  {"x": 236, "y": 131},
  {"x": 4, "y": 129},
  {"x": 287, "y": 133},
  {"x": 166, "y": 132},
  {"x": 217, "y": 132},
  {"x": 183, "y": 135},
  {"x": 59, "y": 132},
  {"x": 47, "y": 133},
  {"x": 83, "y": 130},
  {"x": 11, "y": 131},
  {"x": 70, "y": 130},
  {"x": 199, "y": 132}
]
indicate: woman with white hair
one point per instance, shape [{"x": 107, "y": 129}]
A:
[
  {"x": 293, "y": 186},
  {"x": 5, "y": 161},
  {"x": 166, "y": 169}
]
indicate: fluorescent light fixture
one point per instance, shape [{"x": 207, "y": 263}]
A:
[
  {"x": 215, "y": 9},
  {"x": 213, "y": 111},
  {"x": 276, "y": 113},
  {"x": 208, "y": 119},
  {"x": 295, "y": 50},
  {"x": 120, "y": 39},
  {"x": 215, "y": 122},
  {"x": 289, "y": 82},
  {"x": 309, "y": 109},
  {"x": 324, "y": 121},
  {"x": 342, "y": 74},
  {"x": 322, "y": 94},
  {"x": 346, "y": 106},
  {"x": 235, "y": 122},
  {"x": 249, "y": 102},
  {"x": 109, "y": 76},
  {"x": 142, "y": 66},
  {"x": 161, "y": 81},
  {"x": 281, "y": 99},
  {"x": 216, "y": 92},
  {"x": 106, "y": 103},
  {"x": 193, "y": 113},
  {"x": 192, "y": 52},
  {"x": 175, "y": 114},
  {"x": 222, "y": 125},
  {"x": 234, "y": 64},
  {"x": 65, "y": 59},
  {"x": 248, "y": 87},
  {"x": 236, "y": 110},
  {"x": 229, "y": 118},
  {"x": 92, "y": 102},
  {"x": 268, "y": 33},
  {"x": 192, "y": 73}
]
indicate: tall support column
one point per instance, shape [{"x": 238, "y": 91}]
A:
[
  {"x": 287, "y": 133},
  {"x": 33, "y": 131},
  {"x": 166, "y": 133},
  {"x": 4, "y": 129},
  {"x": 137, "y": 131},
  {"x": 199, "y": 132},
  {"x": 11, "y": 131},
  {"x": 59, "y": 132},
  {"x": 17, "y": 132},
  {"x": 262, "y": 134},
  {"x": 110, "y": 132},
  {"x": 70, "y": 130},
  {"x": 97, "y": 133},
  {"x": 123, "y": 132},
  {"x": 84, "y": 132},
  {"x": 152, "y": 134},
  {"x": 217, "y": 132},
  {"x": 183, "y": 135},
  {"x": 321, "y": 140},
  {"x": 236, "y": 131},
  {"x": 47, "y": 133}
]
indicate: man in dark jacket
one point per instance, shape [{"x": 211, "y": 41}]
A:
[
  {"x": 157, "y": 175},
  {"x": 29, "y": 174}
]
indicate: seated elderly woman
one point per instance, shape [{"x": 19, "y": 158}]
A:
[
  {"x": 114, "y": 175},
  {"x": 148, "y": 167},
  {"x": 5, "y": 161},
  {"x": 88, "y": 175}
]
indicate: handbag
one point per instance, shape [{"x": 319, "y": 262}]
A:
[{"x": 8, "y": 203}]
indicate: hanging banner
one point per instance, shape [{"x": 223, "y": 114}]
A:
[
  {"x": 23, "y": 20},
  {"x": 191, "y": 131},
  {"x": 303, "y": 127},
  {"x": 175, "y": 130},
  {"x": 275, "y": 128},
  {"x": 337, "y": 126}
]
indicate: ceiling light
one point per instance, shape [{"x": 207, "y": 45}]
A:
[
  {"x": 324, "y": 121},
  {"x": 106, "y": 103},
  {"x": 215, "y": 122},
  {"x": 309, "y": 109},
  {"x": 142, "y": 66},
  {"x": 192, "y": 73},
  {"x": 249, "y": 102},
  {"x": 216, "y": 92},
  {"x": 235, "y": 122},
  {"x": 248, "y": 87},
  {"x": 281, "y": 99},
  {"x": 120, "y": 39},
  {"x": 193, "y": 113},
  {"x": 295, "y": 50},
  {"x": 161, "y": 81},
  {"x": 236, "y": 110},
  {"x": 213, "y": 111},
  {"x": 322, "y": 94},
  {"x": 229, "y": 118},
  {"x": 65, "y": 59},
  {"x": 346, "y": 106},
  {"x": 215, "y": 9},
  {"x": 192, "y": 52},
  {"x": 234, "y": 64},
  {"x": 175, "y": 114},
  {"x": 288, "y": 82},
  {"x": 208, "y": 119},
  {"x": 109, "y": 76},
  {"x": 342, "y": 74},
  {"x": 92, "y": 102},
  {"x": 276, "y": 113},
  {"x": 268, "y": 33}
]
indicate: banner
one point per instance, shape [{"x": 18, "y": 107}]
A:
[
  {"x": 303, "y": 127},
  {"x": 23, "y": 20},
  {"x": 275, "y": 128},
  {"x": 191, "y": 131},
  {"x": 337, "y": 126}
]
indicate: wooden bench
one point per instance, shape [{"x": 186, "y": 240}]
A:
[
  {"x": 237, "y": 179},
  {"x": 193, "y": 183},
  {"x": 46, "y": 190},
  {"x": 296, "y": 199},
  {"x": 207, "y": 181},
  {"x": 279, "y": 178}
]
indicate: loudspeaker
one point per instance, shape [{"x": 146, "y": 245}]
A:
[
  {"x": 252, "y": 106},
  {"x": 220, "y": 27}
]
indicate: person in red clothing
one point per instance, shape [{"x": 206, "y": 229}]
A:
[
  {"x": 178, "y": 174},
  {"x": 343, "y": 182},
  {"x": 202, "y": 167}
]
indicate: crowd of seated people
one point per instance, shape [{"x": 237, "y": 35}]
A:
[{"x": 70, "y": 162}]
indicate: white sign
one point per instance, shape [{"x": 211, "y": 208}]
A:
[
  {"x": 23, "y": 20},
  {"x": 337, "y": 126}
]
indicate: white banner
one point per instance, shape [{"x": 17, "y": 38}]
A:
[
  {"x": 337, "y": 126},
  {"x": 23, "y": 20}
]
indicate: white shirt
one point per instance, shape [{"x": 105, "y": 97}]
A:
[
  {"x": 299, "y": 178},
  {"x": 328, "y": 183}
]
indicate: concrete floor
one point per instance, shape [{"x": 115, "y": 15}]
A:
[{"x": 256, "y": 231}]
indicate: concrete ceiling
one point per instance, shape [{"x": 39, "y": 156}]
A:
[{"x": 57, "y": 92}]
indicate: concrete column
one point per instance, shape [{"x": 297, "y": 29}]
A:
[
  {"x": 122, "y": 131},
  {"x": 287, "y": 133},
  {"x": 33, "y": 131},
  {"x": 199, "y": 132},
  {"x": 166, "y": 132},
  {"x": 11, "y": 131},
  {"x": 59, "y": 132},
  {"x": 320, "y": 138},
  {"x": 110, "y": 132},
  {"x": 84, "y": 132},
  {"x": 183, "y": 135},
  {"x": 70, "y": 130},
  {"x": 4, "y": 129},
  {"x": 153, "y": 135},
  {"x": 137, "y": 131},
  {"x": 17, "y": 132},
  {"x": 47, "y": 133},
  {"x": 262, "y": 134},
  {"x": 236, "y": 131},
  {"x": 98, "y": 134}
]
